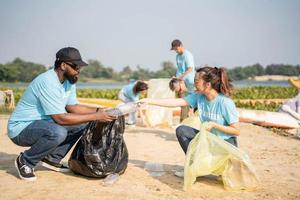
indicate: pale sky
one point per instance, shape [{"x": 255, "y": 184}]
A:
[{"x": 135, "y": 32}]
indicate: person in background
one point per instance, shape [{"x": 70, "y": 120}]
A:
[
  {"x": 48, "y": 118},
  {"x": 185, "y": 70},
  {"x": 131, "y": 93},
  {"x": 292, "y": 107},
  {"x": 179, "y": 86},
  {"x": 212, "y": 98}
]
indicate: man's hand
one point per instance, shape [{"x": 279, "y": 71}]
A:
[{"x": 103, "y": 116}]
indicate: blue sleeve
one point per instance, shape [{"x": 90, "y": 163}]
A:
[
  {"x": 50, "y": 98},
  {"x": 73, "y": 97},
  {"x": 191, "y": 99},
  {"x": 189, "y": 61},
  {"x": 178, "y": 71},
  {"x": 230, "y": 112},
  {"x": 135, "y": 98}
]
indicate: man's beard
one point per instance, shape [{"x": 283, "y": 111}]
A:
[{"x": 71, "y": 79}]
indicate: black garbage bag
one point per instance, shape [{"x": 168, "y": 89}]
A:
[{"x": 101, "y": 150}]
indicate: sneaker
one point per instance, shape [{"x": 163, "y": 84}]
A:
[
  {"x": 25, "y": 172},
  {"x": 179, "y": 174},
  {"x": 58, "y": 167}
]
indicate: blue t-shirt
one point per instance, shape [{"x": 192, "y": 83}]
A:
[
  {"x": 45, "y": 96},
  {"x": 128, "y": 92},
  {"x": 221, "y": 110},
  {"x": 184, "y": 61},
  {"x": 190, "y": 88}
]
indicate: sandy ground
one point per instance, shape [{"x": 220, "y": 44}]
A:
[{"x": 276, "y": 158}]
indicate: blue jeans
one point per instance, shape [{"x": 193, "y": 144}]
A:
[
  {"x": 47, "y": 140},
  {"x": 185, "y": 134}
]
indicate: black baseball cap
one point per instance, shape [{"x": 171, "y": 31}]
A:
[
  {"x": 175, "y": 43},
  {"x": 70, "y": 54}
]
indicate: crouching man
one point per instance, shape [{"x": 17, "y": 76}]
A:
[{"x": 48, "y": 118}]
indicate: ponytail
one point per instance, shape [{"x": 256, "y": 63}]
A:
[{"x": 225, "y": 83}]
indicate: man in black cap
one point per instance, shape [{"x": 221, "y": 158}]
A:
[
  {"x": 185, "y": 70},
  {"x": 48, "y": 117}
]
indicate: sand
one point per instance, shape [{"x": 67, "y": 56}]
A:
[{"x": 275, "y": 157}]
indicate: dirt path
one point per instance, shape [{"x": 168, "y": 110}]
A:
[{"x": 276, "y": 158}]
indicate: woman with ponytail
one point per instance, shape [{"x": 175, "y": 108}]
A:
[{"x": 212, "y": 98}]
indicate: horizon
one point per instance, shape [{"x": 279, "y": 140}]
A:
[
  {"x": 135, "y": 67},
  {"x": 218, "y": 33}
]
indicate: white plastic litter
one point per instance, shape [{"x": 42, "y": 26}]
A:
[
  {"x": 123, "y": 109},
  {"x": 154, "y": 169},
  {"x": 111, "y": 179}
]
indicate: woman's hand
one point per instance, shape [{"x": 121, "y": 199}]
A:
[
  {"x": 145, "y": 100},
  {"x": 210, "y": 125}
]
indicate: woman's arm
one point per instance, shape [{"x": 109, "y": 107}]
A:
[
  {"x": 166, "y": 102},
  {"x": 232, "y": 129}
]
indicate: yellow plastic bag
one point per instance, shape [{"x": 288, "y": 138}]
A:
[{"x": 208, "y": 154}]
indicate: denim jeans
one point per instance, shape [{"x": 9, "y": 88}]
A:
[
  {"x": 131, "y": 116},
  {"x": 47, "y": 140},
  {"x": 185, "y": 134}
]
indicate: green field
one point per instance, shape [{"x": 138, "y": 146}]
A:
[{"x": 272, "y": 92}]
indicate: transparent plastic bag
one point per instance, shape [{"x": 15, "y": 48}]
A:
[
  {"x": 111, "y": 179},
  {"x": 156, "y": 115},
  {"x": 123, "y": 109},
  {"x": 209, "y": 155}
]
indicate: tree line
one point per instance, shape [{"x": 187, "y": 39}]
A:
[{"x": 22, "y": 71}]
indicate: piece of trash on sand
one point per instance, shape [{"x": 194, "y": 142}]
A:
[
  {"x": 154, "y": 169},
  {"x": 110, "y": 179}
]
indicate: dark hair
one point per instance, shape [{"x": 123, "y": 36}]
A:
[
  {"x": 218, "y": 79},
  {"x": 173, "y": 82},
  {"x": 140, "y": 86},
  {"x": 57, "y": 63}
]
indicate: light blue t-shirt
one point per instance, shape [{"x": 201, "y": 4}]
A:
[
  {"x": 45, "y": 96},
  {"x": 184, "y": 61},
  {"x": 128, "y": 92},
  {"x": 190, "y": 88},
  {"x": 221, "y": 110}
]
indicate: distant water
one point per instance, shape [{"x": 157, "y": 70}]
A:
[
  {"x": 238, "y": 84},
  {"x": 249, "y": 83}
]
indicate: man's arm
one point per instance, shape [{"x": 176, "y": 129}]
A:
[
  {"x": 80, "y": 109},
  {"x": 75, "y": 118},
  {"x": 188, "y": 71}
]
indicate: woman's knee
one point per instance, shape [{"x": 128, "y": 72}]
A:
[
  {"x": 186, "y": 131},
  {"x": 180, "y": 131}
]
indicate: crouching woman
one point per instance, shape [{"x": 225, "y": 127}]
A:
[{"x": 212, "y": 99}]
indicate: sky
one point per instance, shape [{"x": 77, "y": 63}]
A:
[{"x": 225, "y": 33}]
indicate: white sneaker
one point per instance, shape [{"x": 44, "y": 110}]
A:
[
  {"x": 179, "y": 174},
  {"x": 54, "y": 166}
]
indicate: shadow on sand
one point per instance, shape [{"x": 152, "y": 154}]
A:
[{"x": 175, "y": 182}]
